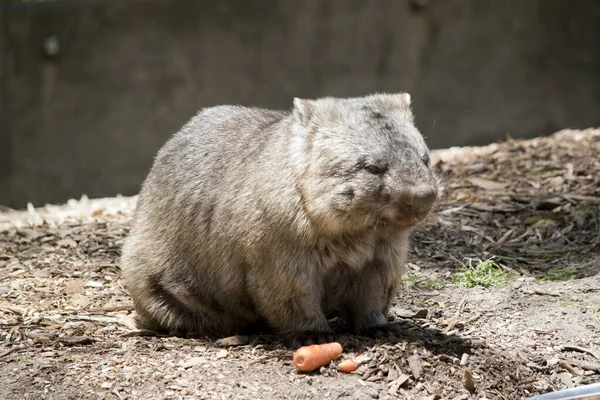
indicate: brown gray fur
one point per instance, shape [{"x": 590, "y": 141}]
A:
[{"x": 255, "y": 216}]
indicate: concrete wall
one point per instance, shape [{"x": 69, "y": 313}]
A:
[{"x": 129, "y": 73}]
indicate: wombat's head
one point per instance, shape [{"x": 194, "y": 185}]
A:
[{"x": 361, "y": 163}]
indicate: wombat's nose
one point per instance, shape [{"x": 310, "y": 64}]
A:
[
  {"x": 412, "y": 203},
  {"x": 422, "y": 198}
]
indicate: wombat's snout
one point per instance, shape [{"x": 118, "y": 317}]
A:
[
  {"x": 412, "y": 204},
  {"x": 421, "y": 199}
]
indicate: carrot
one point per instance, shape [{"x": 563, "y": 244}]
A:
[
  {"x": 352, "y": 364},
  {"x": 309, "y": 358}
]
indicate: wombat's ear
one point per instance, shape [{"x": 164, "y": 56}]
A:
[
  {"x": 303, "y": 110},
  {"x": 406, "y": 98},
  {"x": 400, "y": 100}
]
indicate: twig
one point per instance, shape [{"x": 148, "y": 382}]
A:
[
  {"x": 13, "y": 349},
  {"x": 504, "y": 238},
  {"x": 109, "y": 265},
  {"x": 143, "y": 332},
  {"x": 581, "y": 198},
  {"x": 261, "y": 359},
  {"x": 590, "y": 366},
  {"x": 581, "y": 349},
  {"x": 124, "y": 307},
  {"x": 571, "y": 250},
  {"x": 19, "y": 326},
  {"x": 461, "y": 306},
  {"x": 14, "y": 310},
  {"x": 269, "y": 357},
  {"x": 541, "y": 292},
  {"x": 99, "y": 319},
  {"x": 77, "y": 341},
  {"x": 570, "y": 368}
]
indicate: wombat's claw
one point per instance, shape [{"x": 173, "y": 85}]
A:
[
  {"x": 386, "y": 331},
  {"x": 307, "y": 338}
]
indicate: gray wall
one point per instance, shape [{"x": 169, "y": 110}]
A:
[{"x": 130, "y": 73}]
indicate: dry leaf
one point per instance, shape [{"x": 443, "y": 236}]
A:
[
  {"x": 403, "y": 313},
  {"x": 487, "y": 184},
  {"x": 468, "y": 381}
]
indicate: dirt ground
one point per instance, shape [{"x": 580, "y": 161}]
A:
[{"x": 66, "y": 327}]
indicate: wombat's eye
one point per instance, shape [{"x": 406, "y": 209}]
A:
[
  {"x": 426, "y": 160},
  {"x": 375, "y": 169}
]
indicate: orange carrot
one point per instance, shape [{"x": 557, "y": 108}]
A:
[
  {"x": 309, "y": 358},
  {"x": 352, "y": 364}
]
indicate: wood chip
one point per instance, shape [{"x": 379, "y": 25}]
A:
[
  {"x": 191, "y": 362},
  {"x": 142, "y": 333},
  {"x": 67, "y": 243},
  {"x": 74, "y": 286},
  {"x": 414, "y": 363},
  {"x": 233, "y": 341},
  {"x": 451, "y": 324},
  {"x": 397, "y": 384},
  {"x": 393, "y": 374},
  {"x": 222, "y": 354}
]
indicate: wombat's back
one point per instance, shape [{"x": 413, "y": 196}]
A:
[
  {"x": 202, "y": 169},
  {"x": 212, "y": 145},
  {"x": 204, "y": 181}
]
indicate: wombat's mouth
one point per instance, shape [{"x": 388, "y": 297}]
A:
[{"x": 405, "y": 218}]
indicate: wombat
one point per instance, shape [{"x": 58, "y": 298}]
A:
[{"x": 284, "y": 218}]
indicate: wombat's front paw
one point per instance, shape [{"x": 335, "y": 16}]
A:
[
  {"x": 306, "y": 338},
  {"x": 384, "y": 331}
]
